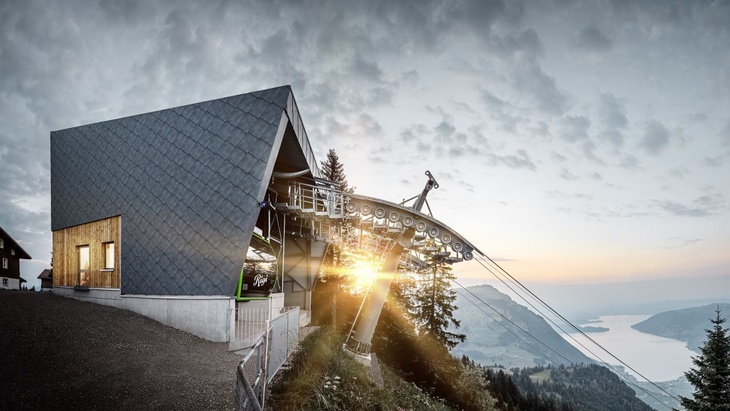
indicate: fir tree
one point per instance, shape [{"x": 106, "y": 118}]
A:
[
  {"x": 333, "y": 170},
  {"x": 711, "y": 378},
  {"x": 434, "y": 304},
  {"x": 332, "y": 281}
]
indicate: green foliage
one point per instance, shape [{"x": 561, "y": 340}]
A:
[
  {"x": 433, "y": 304},
  {"x": 711, "y": 377},
  {"x": 422, "y": 359},
  {"x": 686, "y": 324},
  {"x": 323, "y": 377},
  {"x": 581, "y": 387},
  {"x": 332, "y": 169}
]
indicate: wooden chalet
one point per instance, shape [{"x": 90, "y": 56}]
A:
[{"x": 10, "y": 255}]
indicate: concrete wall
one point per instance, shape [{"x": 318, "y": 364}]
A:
[{"x": 205, "y": 316}]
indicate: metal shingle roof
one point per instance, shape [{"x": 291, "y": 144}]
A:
[{"x": 186, "y": 182}]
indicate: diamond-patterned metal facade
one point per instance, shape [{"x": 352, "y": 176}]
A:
[{"x": 187, "y": 181}]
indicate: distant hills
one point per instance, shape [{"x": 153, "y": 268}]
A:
[
  {"x": 490, "y": 343},
  {"x": 688, "y": 324},
  {"x": 583, "y": 302}
]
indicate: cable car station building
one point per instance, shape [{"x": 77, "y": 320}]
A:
[{"x": 155, "y": 212}]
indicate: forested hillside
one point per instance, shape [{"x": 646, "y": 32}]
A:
[
  {"x": 686, "y": 325},
  {"x": 584, "y": 387},
  {"x": 488, "y": 342}
]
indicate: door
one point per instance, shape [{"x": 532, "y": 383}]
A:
[{"x": 84, "y": 277}]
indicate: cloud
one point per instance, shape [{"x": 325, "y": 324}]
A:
[
  {"x": 725, "y": 133},
  {"x": 656, "y": 138},
  {"x": 682, "y": 242},
  {"x": 492, "y": 102},
  {"x": 558, "y": 157},
  {"x": 613, "y": 120},
  {"x": 365, "y": 68},
  {"x": 413, "y": 132},
  {"x": 561, "y": 195},
  {"x": 703, "y": 206},
  {"x": 574, "y": 128},
  {"x": 357, "y": 126},
  {"x": 590, "y": 38},
  {"x": 567, "y": 175},
  {"x": 679, "y": 172},
  {"x": 525, "y": 44},
  {"x": 444, "y": 130},
  {"x": 499, "y": 110},
  {"x": 713, "y": 161},
  {"x": 538, "y": 89},
  {"x": 628, "y": 161},
  {"x": 519, "y": 160}
]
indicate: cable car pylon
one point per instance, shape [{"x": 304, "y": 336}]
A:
[{"x": 411, "y": 227}]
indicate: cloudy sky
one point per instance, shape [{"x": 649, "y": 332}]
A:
[{"x": 573, "y": 141}]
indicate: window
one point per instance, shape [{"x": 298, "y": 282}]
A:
[
  {"x": 84, "y": 266},
  {"x": 12, "y": 251},
  {"x": 5, "y": 282},
  {"x": 5, "y": 263},
  {"x": 2, "y": 243},
  {"x": 109, "y": 256}
]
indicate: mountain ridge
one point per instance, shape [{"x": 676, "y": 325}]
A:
[
  {"x": 686, "y": 324},
  {"x": 492, "y": 339}
]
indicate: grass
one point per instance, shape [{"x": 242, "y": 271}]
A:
[
  {"x": 323, "y": 377},
  {"x": 541, "y": 376}
]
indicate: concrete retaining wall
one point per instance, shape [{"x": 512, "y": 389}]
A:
[{"x": 204, "y": 316}]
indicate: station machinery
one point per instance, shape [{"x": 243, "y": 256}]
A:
[{"x": 300, "y": 219}]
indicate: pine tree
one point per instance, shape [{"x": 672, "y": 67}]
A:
[
  {"x": 336, "y": 260},
  {"x": 434, "y": 304},
  {"x": 711, "y": 378},
  {"x": 333, "y": 170}
]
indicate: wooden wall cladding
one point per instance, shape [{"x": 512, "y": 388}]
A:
[{"x": 94, "y": 234}]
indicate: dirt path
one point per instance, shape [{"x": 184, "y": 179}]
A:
[{"x": 59, "y": 353}]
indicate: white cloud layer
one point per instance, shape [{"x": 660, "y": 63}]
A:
[{"x": 507, "y": 101}]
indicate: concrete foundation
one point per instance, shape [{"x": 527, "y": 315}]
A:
[{"x": 207, "y": 317}]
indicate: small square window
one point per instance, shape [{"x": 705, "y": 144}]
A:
[
  {"x": 5, "y": 263},
  {"x": 109, "y": 256}
]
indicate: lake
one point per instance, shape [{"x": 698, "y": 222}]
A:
[{"x": 657, "y": 358}]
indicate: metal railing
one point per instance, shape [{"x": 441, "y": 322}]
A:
[
  {"x": 250, "y": 381},
  {"x": 250, "y": 324},
  {"x": 266, "y": 356},
  {"x": 283, "y": 337}
]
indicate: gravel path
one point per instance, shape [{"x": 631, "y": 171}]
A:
[{"x": 59, "y": 353}]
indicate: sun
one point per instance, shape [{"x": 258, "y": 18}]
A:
[{"x": 364, "y": 271}]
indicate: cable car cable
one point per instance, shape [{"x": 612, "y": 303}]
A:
[{"x": 534, "y": 296}]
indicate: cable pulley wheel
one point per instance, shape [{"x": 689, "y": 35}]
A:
[
  {"x": 365, "y": 209},
  {"x": 351, "y": 207},
  {"x": 433, "y": 232},
  {"x": 393, "y": 216},
  {"x": 421, "y": 226},
  {"x": 379, "y": 213},
  {"x": 407, "y": 221}
]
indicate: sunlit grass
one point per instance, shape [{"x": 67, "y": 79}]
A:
[{"x": 323, "y": 377}]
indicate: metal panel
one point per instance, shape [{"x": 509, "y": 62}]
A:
[{"x": 150, "y": 168}]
